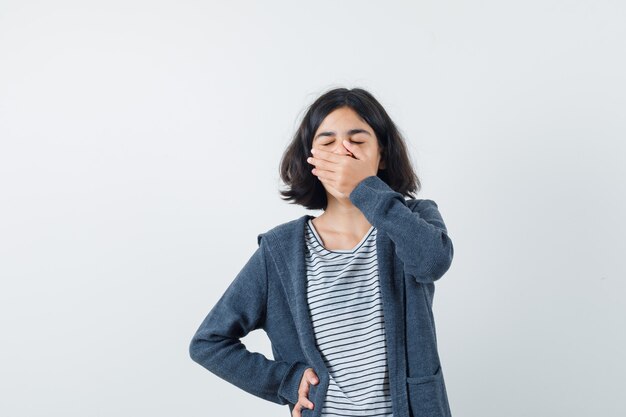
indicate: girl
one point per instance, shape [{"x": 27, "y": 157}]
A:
[{"x": 345, "y": 297}]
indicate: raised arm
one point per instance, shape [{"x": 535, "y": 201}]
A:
[
  {"x": 216, "y": 344},
  {"x": 417, "y": 230}
]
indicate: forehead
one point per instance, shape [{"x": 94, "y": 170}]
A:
[{"x": 343, "y": 115}]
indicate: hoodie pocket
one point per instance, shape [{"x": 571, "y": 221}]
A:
[{"x": 426, "y": 395}]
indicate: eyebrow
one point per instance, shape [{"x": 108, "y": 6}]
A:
[{"x": 349, "y": 132}]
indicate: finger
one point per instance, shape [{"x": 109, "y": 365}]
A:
[
  {"x": 354, "y": 150},
  {"x": 303, "y": 395},
  {"x": 321, "y": 164},
  {"x": 298, "y": 408},
  {"x": 306, "y": 403},
  {"x": 326, "y": 155},
  {"x": 304, "y": 391},
  {"x": 324, "y": 175},
  {"x": 349, "y": 147},
  {"x": 330, "y": 186}
]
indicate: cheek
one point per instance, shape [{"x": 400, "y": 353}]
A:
[{"x": 371, "y": 151}]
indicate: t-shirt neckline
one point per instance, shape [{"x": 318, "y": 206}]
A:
[{"x": 354, "y": 249}]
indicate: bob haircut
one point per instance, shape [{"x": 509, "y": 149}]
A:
[{"x": 306, "y": 189}]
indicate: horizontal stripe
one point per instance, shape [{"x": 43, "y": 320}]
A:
[{"x": 345, "y": 306}]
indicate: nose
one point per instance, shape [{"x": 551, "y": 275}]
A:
[{"x": 340, "y": 149}]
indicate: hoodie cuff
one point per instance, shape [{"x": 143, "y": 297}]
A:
[
  {"x": 291, "y": 382},
  {"x": 366, "y": 193}
]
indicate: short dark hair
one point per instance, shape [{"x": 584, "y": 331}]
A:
[{"x": 306, "y": 189}]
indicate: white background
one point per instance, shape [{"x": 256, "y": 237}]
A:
[{"x": 139, "y": 151}]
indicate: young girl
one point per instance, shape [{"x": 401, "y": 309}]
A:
[{"x": 345, "y": 297}]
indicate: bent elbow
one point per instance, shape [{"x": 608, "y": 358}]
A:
[
  {"x": 444, "y": 261},
  {"x": 195, "y": 349},
  {"x": 439, "y": 264},
  {"x": 201, "y": 351}
]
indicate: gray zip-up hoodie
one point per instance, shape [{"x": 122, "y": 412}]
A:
[{"x": 269, "y": 293}]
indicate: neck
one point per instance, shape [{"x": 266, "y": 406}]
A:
[{"x": 344, "y": 217}]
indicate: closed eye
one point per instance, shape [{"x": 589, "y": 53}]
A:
[{"x": 356, "y": 143}]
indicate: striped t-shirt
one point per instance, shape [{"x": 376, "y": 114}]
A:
[{"x": 345, "y": 303}]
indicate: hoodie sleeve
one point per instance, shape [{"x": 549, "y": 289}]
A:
[
  {"x": 216, "y": 344},
  {"x": 419, "y": 233}
]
